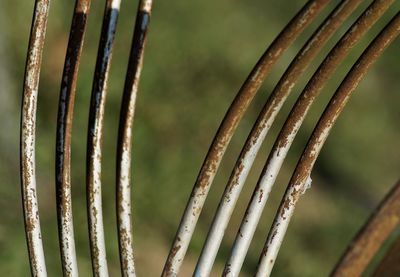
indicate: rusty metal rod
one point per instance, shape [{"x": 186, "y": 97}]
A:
[
  {"x": 227, "y": 128},
  {"x": 27, "y": 138},
  {"x": 289, "y": 131},
  {"x": 389, "y": 265},
  {"x": 371, "y": 236},
  {"x": 300, "y": 181},
  {"x": 261, "y": 128},
  {"x": 95, "y": 134},
  {"x": 123, "y": 193},
  {"x": 63, "y": 137}
]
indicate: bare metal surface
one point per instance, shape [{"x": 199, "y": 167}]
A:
[
  {"x": 261, "y": 128},
  {"x": 28, "y": 133},
  {"x": 390, "y": 265},
  {"x": 388, "y": 216},
  {"x": 227, "y": 128},
  {"x": 372, "y": 235},
  {"x": 63, "y": 140},
  {"x": 123, "y": 194},
  {"x": 95, "y": 134}
]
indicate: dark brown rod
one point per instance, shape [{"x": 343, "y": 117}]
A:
[
  {"x": 371, "y": 236},
  {"x": 95, "y": 135},
  {"x": 27, "y": 138},
  {"x": 390, "y": 265},
  {"x": 63, "y": 137}
]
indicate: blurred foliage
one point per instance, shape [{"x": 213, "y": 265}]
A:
[{"x": 198, "y": 55}]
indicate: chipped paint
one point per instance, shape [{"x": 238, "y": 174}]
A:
[
  {"x": 128, "y": 102},
  {"x": 227, "y": 128}
]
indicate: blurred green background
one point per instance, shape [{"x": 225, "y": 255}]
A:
[{"x": 198, "y": 54}]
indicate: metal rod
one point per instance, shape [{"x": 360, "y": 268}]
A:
[
  {"x": 389, "y": 265},
  {"x": 123, "y": 194},
  {"x": 261, "y": 128},
  {"x": 289, "y": 131},
  {"x": 227, "y": 128},
  {"x": 95, "y": 134},
  {"x": 371, "y": 236},
  {"x": 301, "y": 181},
  {"x": 28, "y": 134},
  {"x": 63, "y": 139}
]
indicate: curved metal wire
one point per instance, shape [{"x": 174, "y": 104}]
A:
[
  {"x": 63, "y": 139},
  {"x": 290, "y": 129},
  {"x": 227, "y": 128},
  {"x": 372, "y": 235},
  {"x": 300, "y": 180},
  {"x": 95, "y": 134},
  {"x": 124, "y": 222},
  {"x": 261, "y": 128},
  {"x": 389, "y": 265},
  {"x": 28, "y": 134}
]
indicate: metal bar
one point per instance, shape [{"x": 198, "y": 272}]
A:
[
  {"x": 371, "y": 236},
  {"x": 389, "y": 265},
  {"x": 95, "y": 134},
  {"x": 27, "y": 135},
  {"x": 123, "y": 194},
  {"x": 227, "y": 128},
  {"x": 289, "y": 131},
  {"x": 63, "y": 139},
  {"x": 261, "y": 128},
  {"x": 301, "y": 181}
]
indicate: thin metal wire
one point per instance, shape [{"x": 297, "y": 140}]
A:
[
  {"x": 227, "y": 128},
  {"x": 372, "y": 235},
  {"x": 300, "y": 180},
  {"x": 123, "y": 195},
  {"x": 28, "y": 134},
  {"x": 95, "y": 134},
  {"x": 63, "y": 140},
  {"x": 261, "y": 128},
  {"x": 289, "y": 131}
]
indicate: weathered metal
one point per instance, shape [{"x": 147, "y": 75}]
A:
[
  {"x": 361, "y": 251},
  {"x": 290, "y": 129},
  {"x": 95, "y": 135},
  {"x": 28, "y": 134},
  {"x": 261, "y": 128},
  {"x": 228, "y": 127},
  {"x": 123, "y": 193},
  {"x": 63, "y": 139},
  {"x": 300, "y": 180},
  {"x": 374, "y": 233},
  {"x": 389, "y": 265}
]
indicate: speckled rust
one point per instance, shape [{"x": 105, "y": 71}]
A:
[
  {"x": 63, "y": 139},
  {"x": 95, "y": 136},
  {"x": 123, "y": 190},
  {"x": 27, "y": 142},
  {"x": 298, "y": 183},
  {"x": 229, "y": 125},
  {"x": 266, "y": 118}
]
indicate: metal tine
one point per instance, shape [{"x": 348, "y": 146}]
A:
[
  {"x": 95, "y": 134},
  {"x": 389, "y": 265},
  {"x": 387, "y": 217},
  {"x": 27, "y": 138},
  {"x": 123, "y": 194},
  {"x": 63, "y": 139},
  {"x": 371, "y": 236},
  {"x": 261, "y": 128},
  {"x": 229, "y": 124},
  {"x": 289, "y": 131}
]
